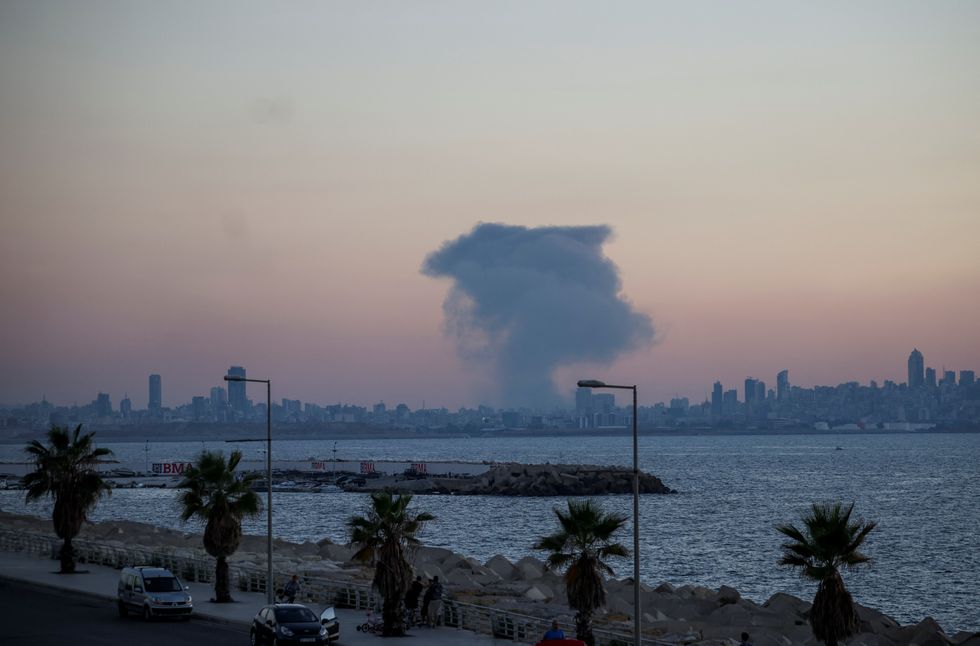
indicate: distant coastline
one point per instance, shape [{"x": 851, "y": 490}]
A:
[{"x": 183, "y": 432}]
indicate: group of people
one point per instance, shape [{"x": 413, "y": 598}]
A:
[{"x": 431, "y": 595}]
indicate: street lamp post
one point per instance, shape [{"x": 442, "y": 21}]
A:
[
  {"x": 268, "y": 473},
  {"x": 594, "y": 383}
]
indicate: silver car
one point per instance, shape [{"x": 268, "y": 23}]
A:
[{"x": 152, "y": 592}]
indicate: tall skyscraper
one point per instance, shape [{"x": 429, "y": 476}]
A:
[
  {"x": 782, "y": 386},
  {"x": 717, "y": 396},
  {"x": 125, "y": 407},
  {"x": 916, "y": 369},
  {"x": 760, "y": 391},
  {"x": 931, "y": 377},
  {"x": 967, "y": 378},
  {"x": 236, "y": 390},
  {"x": 750, "y": 390},
  {"x": 156, "y": 393},
  {"x": 949, "y": 378}
]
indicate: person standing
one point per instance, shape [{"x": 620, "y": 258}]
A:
[
  {"x": 291, "y": 589},
  {"x": 434, "y": 593},
  {"x": 745, "y": 640},
  {"x": 554, "y": 633},
  {"x": 412, "y": 600}
]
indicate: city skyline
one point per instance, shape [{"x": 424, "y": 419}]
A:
[
  {"x": 235, "y": 393},
  {"x": 184, "y": 188}
]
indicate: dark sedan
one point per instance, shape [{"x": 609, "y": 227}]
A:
[{"x": 286, "y": 624}]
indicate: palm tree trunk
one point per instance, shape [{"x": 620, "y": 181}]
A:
[
  {"x": 393, "y": 618},
  {"x": 222, "y": 592},
  {"x": 583, "y": 627},
  {"x": 67, "y": 556}
]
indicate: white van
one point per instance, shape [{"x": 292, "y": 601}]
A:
[{"x": 152, "y": 592}]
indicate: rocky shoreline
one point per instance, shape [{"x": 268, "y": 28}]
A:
[
  {"x": 687, "y": 614},
  {"x": 515, "y": 479}
]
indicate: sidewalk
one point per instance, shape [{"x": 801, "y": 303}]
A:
[{"x": 100, "y": 581}]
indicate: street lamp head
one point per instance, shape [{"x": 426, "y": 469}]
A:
[
  {"x": 591, "y": 383},
  {"x": 234, "y": 378}
]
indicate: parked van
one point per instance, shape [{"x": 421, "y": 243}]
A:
[{"x": 152, "y": 592}]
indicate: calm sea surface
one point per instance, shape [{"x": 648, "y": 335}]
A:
[{"x": 924, "y": 491}]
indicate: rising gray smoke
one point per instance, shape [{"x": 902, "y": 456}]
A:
[{"x": 525, "y": 301}]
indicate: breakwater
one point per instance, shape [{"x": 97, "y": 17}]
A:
[{"x": 516, "y": 479}]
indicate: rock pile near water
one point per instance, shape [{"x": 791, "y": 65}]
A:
[{"x": 526, "y": 480}]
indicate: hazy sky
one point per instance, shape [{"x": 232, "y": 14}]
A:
[{"x": 190, "y": 185}]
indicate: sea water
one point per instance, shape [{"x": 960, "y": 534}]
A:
[{"x": 922, "y": 489}]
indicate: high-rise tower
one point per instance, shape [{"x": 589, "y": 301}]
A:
[
  {"x": 782, "y": 385},
  {"x": 916, "y": 369},
  {"x": 156, "y": 393},
  {"x": 236, "y": 390},
  {"x": 716, "y": 400}
]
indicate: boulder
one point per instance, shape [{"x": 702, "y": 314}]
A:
[
  {"x": 460, "y": 578},
  {"x": 927, "y": 632},
  {"x": 529, "y": 568},
  {"x": 427, "y": 554},
  {"x": 502, "y": 567},
  {"x": 727, "y": 594},
  {"x": 338, "y": 553},
  {"x": 787, "y": 605}
]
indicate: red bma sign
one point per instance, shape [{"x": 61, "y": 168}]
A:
[{"x": 171, "y": 468}]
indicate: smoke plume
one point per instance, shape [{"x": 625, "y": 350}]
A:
[{"x": 527, "y": 300}]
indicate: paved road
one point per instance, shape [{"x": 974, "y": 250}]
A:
[{"x": 39, "y": 617}]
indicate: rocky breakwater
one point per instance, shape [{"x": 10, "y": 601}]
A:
[
  {"x": 516, "y": 479},
  {"x": 687, "y": 614}
]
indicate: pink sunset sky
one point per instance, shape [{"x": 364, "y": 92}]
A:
[{"x": 186, "y": 186}]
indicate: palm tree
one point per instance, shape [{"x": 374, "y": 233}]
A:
[
  {"x": 585, "y": 539},
  {"x": 215, "y": 494},
  {"x": 828, "y": 542},
  {"x": 384, "y": 537},
  {"x": 65, "y": 470}
]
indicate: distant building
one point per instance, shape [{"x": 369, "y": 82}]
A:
[
  {"x": 380, "y": 408},
  {"x": 218, "y": 398},
  {"x": 931, "y": 377},
  {"x": 916, "y": 369},
  {"x": 717, "y": 400},
  {"x": 782, "y": 386},
  {"x": 126, "y": 407},
  {"x": 103, "y": 407},
  {"x": 199, "y": 406},
  {"x": 603, "y": 402},
  {"x": 967, "y": 378},
  {"x": 949, "y": 378},
  {"x": 156, "y": 394},
  {"x": 729, "y": 402},
  {"x": 583, "y": 401},
  {"x": 760, "y": 391},
  {"x": 236, "y": 390},
  {"x": 511, "y": 419},
  {"x": 750, "y": 389}
]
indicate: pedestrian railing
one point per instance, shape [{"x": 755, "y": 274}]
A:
[{"x": 503, "y": 624}]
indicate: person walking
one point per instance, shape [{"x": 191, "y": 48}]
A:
[
  {"x": 745, "y": 640},
  {"x": 434, "y": 594},
  {"x": 291, "y": 589}
]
